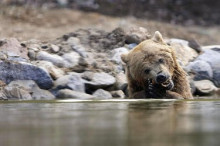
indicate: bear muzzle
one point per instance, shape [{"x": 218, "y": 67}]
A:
[{"x": 161, "y": 78}]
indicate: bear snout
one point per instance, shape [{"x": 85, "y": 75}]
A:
[{"x": 161, "y": 78}]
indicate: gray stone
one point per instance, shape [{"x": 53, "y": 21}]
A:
[
  {"x": 201, "y": 69},
  {"x": 15, "y": 93},
  {"x": 72, "y": 81},
  {"x": 33, "y": 89},
  {"x": 71, "y": 59},
  {"x": 121, "y": 80},
  {"x": 40, "y": 94},
  {"x": 210, "y": 47},
  {"x": 54, "y": 71},
  {"x": 73, "y": 41},
  {"x": 102, "y": 94},
  {"x": 80, "y": 50},
  {"x": 116, "y": 54},
  {"x": 67, "y": 93},
  {"x": 212, "y": 57},
  {"x": 54, "y": 48},
  {"x": 53, "y": 58},
  {"x": 98, "y": 80},
  {"x": 184, "y": 53},
  {"x": 136, "y": 35},
  {"x": 12, "y": 48},
  {"x": 118, "y": 94},
  {"x": 205, "y": 87},
  {"x": 10, "y": 71},
  {"x": 31, "y": 54}
]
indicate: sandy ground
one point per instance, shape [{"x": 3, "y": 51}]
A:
[{"x": 45, "y": 25}]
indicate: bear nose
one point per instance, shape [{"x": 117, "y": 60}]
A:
[{"x": 161, "y": 78}]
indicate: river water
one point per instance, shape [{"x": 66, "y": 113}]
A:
[{"x": 110, "y": 123}]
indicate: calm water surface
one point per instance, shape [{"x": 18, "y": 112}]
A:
[{"x": 110, "y": 123}]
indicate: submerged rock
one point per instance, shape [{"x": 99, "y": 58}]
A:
[{"x": 10, "y": 71}]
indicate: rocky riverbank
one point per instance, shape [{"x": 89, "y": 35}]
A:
[{"x": 86, "y": 64}]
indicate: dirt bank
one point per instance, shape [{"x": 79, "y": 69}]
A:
[{"x": 48, "y": 24}]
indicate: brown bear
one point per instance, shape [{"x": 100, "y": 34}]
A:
[{"x": 153, "y": 71}]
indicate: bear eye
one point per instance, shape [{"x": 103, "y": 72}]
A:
[
  {"x": 147, "y": 71},
  {"x": 161, "y": 60}
]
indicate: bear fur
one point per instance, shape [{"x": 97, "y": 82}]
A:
[{"x": 153, "y": 71}]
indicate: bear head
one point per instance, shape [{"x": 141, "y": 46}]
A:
[{"x": 152, "y": 60}]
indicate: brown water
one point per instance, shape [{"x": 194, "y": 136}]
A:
[{"x": 110, "y": 123}]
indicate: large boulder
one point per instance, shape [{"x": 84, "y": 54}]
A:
[{"x": 10, "y": 71}]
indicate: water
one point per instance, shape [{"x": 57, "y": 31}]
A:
[{"x": 110, "y": 123}]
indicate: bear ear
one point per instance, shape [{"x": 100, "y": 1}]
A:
[
  {"x": 158, "y": 37},
  {"x": 124, "y": 58}
]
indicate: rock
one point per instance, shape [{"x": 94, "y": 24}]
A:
[
  {"x": 117, "y": 94},
  {"x": 15, "y": 93},
  {"x": 195, "y": 45},
  {"x": 102, "y": 94},
  {"x": 10, "y": 71},
  {"x": 32, "y": 54},
  {"x": 121, "y": 80},
  {"x": 131, "y": 46},
  {"x": 116, "y": 54},
  {"x": 67, "y": 93},
  {"x": 184, "y": 53},
  {"x": 72, "y": 81},
  {"x": 2, "y": 84},
  {"x": 71, "y": 59},
  {"x": 54, "y": 48},
  {"x": 80, "y": 50},
  {"x": 33, "y": 89},
  {"x": 39, "y": 94},
  {"x": 204, "y": 87},
  {"x": 212, "y": 57},
  {"x": 68, "y": 60},
  {"x": 54, "y": 71},
  {"x": 201, "y": 69},
  {"x": 13, "y": 49},
  {"x": 53, "y": 58},
  {"x": 98, "y": 80},
  {"x": 210, "y": 47},
  {"x": 137, "y": 35},
  {"x": 73, "y": 41}
]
